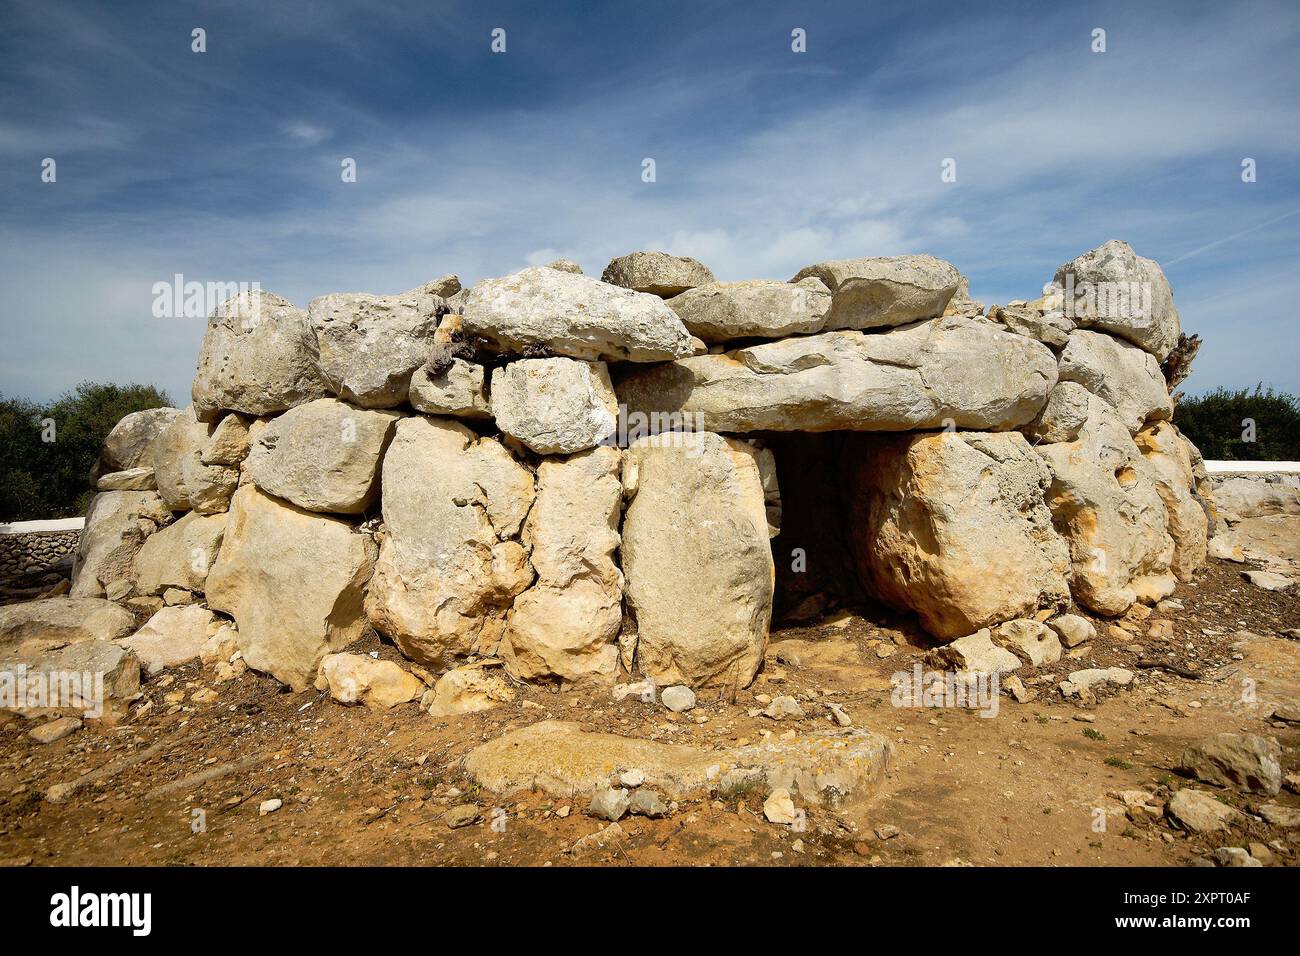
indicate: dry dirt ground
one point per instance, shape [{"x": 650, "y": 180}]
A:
[{"x": 363, "y": 787}]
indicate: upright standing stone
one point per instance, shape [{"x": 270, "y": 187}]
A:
[
  {"x": 953, "y": 526},
  {"x": 1171, "y": 469},
  {"x": 565, "y": 625},
  {"x": 1105, "y": 504},
  {"x": 184, "y": 482},
  {"x": 450, "y": 562},
  {"x": 294, "y": 583},
  {"x": 117, "y": 524},
  {"x": 697, "y": 560}
]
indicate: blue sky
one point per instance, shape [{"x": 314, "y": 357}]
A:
[{"x": 225, "y": 166}]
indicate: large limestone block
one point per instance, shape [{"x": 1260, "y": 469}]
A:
[
  {"x": 172, "y": 637},
  {"x": 184, "y": 482},
  {"x": 836, "y": 767},
  {"x": 322, "y": 456},
  {"x": 1105, "y": 504},
  {"x": 130, "y": 444},
  {"x": 565, "y": 625},
  {"x": 259, "y": 356},
  {"x": 657, "y": 273},
  {"x": 293, "y": 581},
  {"x": 696, "y": 557},
  {"x": 879, "y": 292},
  {"x": 89, "y": 676},
  {"x": 1063, "y": 416},
  {"x": 117, "y": 524},
  {"x": 573, "y": 315},
  {"x": 371, "y": 344},
  {"x": 957, "y": 371},
  {"x": 1171, "y": 469},
  {"x": 555, "y": 406},
  {"x": 953, "y": 527},
  {"x": 1124, "y": 375},
  {"x": 758, "y": 308},
  {"x": 1114, "y": 289},
  {"x": 227, "y": 442},
  {"x": 53, "y": 622},
  {"x": 460, "y": 391},
  {"x": 180, "y": 555},
  {"x": 450, "y": 563}
]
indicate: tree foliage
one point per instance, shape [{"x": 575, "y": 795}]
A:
[
  {"x": 42, "y": 478},
  {"x": 1242, "y": 425}
]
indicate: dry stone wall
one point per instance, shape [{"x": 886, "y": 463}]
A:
[{"x": 574, "y": 480}]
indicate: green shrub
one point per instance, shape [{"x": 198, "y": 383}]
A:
[
  {"x": 1218, "y": 423},
  {"x": 51, "y": 479}
]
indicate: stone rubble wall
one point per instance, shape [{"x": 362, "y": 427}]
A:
[
  {"x": 573, "y": 480},
  {"x": 35, "y": 551}
]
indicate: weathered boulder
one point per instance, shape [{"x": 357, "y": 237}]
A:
[
  {"x": 467, "y": 690},
  {"x": 1051, "y": 328},
  {"x": 564, "y": 626},
  {"x": 460, "y": 391},
  {"x": 450, "y": 563},
  {"x": 117, "y": 524},
  {"x": 130, "y": 444},
  {"x": 696, "y": 557},
  {"x": 1243, "y": 761},
  {"x": 1200, "y": 812},
  {"x": 132, "y": 479},
  {"x": 564, "y": 760},
  {"x": 1124, "y": 375},
  {"x": 1114, "y": 289},
  {"x": 555, "y": 406},
  {"x": 359, "y": 679},
  {"x": 758, "y": 308},
  {"x": 173, "y": 636},
  {"x": 1171, "y": 469},
  {"x": 879, "y": 292},
  {"x": 259, "y": 356},
  {"x": 370, "y": 345},
  {"x": 184, "y": 482},
  {"x": 1105, "y": 504},
  {"x": 657, "y": 273},
  {"x": 953, "y": 526},
  {"x": 975, "y": 653},
  {"x": 51, "y": 622},
  {"x": 958, "y": 371},
  {"x": 573, "y": 315},
  {"x": 323, "y": 456},
  {"x": 180, "y": 555},
  {"x": 1033, "y": 641},
  {"x": 1063, "y": 415},
  {"x": 227, "y": 442},
  {"x": 293, "y": 581}
]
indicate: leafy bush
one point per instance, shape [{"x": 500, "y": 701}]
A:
[
  {"x": 51, "y": 479},
  {"x": 1218, "y": 422}
]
